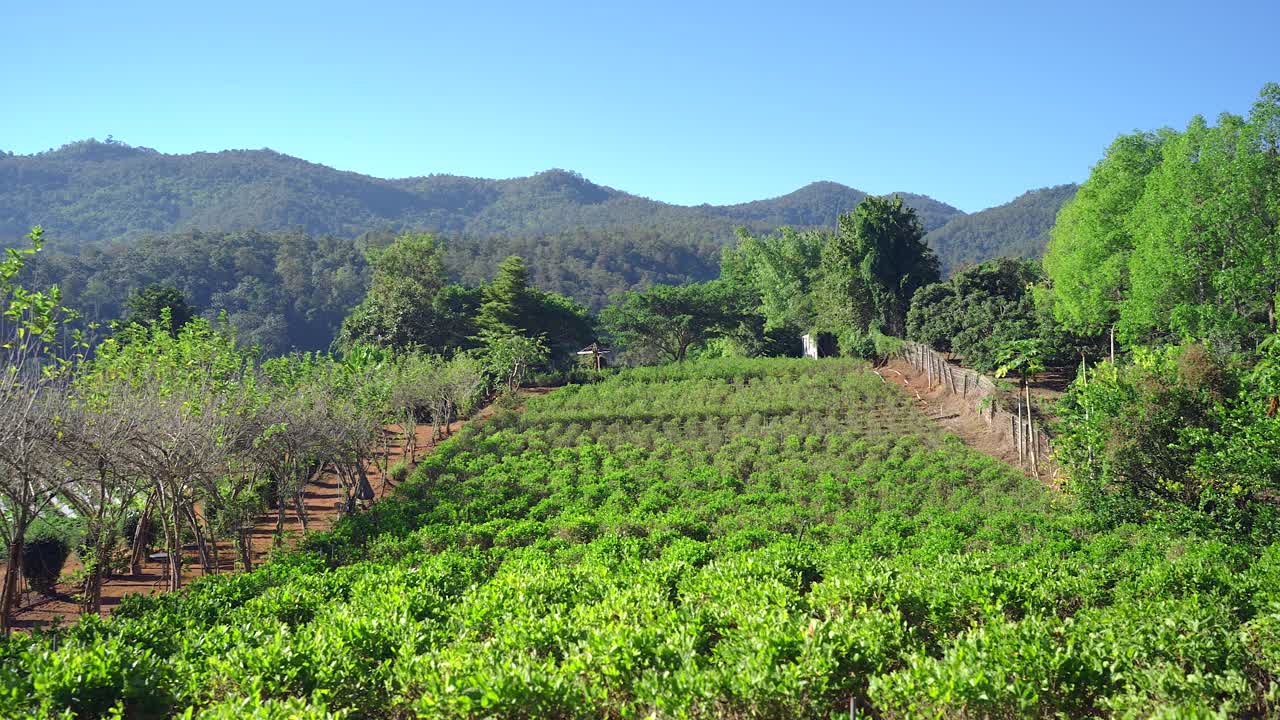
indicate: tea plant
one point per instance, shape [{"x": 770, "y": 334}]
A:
[{"x": 744, "y": 539}]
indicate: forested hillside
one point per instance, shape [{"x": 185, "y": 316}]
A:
[
  {"x": 289, "y": 290},
  {"x": 279, "y": 243},
  {"x": 819, "y": 203},
  {"x": 1019, "y": 228},
  {"x": 90, "y": 190}
]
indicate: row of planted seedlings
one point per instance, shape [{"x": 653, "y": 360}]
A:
[{"x": 794, "y": 576}]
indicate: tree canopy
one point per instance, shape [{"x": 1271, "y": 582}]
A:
[
  {"x": 402, "y": 308},
  {"x": 1174, "y": 236},
  {"x": 670, "y": 319},
  {"x": 159, "y": 304},
  {"x": 978, "y": 311},
  {"x": 872, "y": 265}
]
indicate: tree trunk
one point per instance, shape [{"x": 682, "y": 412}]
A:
[
  {"x": 280, "y": 503},
  {"x": 300, "y": 505},
  {"x": 140, "y": 532},
  {"x": 175, "y": 544},
  {"x": 92, "y": 589},
  {"x": 202, "y": 547},
  {"x": 244, "y": 543},
  {"x": 12, "y": 574},
  {"x": 1084, "y": 381},
  {"x": 1021, "y": 449},
  {"x": 93, "y": 583}
]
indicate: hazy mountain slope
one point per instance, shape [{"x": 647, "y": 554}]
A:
[
  {"x": 1019, "y": 228},
  {"x": 90, "y": 191}
]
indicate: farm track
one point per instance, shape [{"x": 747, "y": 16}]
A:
[
  {"x": 954, "y": 414},
  {"x": 321, "y": 500}
]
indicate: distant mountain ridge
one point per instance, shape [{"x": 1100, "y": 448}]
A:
[
  {"x": 224, "y": 229},
  {"x": 1019, "y": 228},
  {"x": 92, "y": 191}
]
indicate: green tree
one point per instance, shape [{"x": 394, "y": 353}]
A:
[
  {"x": 1087, "y": 259},
  {"x": 510, "y": 356},
  {"x": 511, "y": 305},
  {"x": 671, "y": 319},
  {"x": 566, "y": 325},
  {"x": 1206, "y": 260},
  {"x": 508, "y": 300},
  {"x": 872, "y": 266},
  {"x": 400, "y": 308},
  {"x": 146, "y": 307},
  {"x": 781, "y": 271},
  {"x": 977, "y": 311}
]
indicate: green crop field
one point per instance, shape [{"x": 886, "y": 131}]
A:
[{"x": 743, "y": 539}]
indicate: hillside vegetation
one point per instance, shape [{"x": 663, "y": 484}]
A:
[
  {"x": 290, "y": 291},
  {"x": 708, "y": 531},
  {"x": 280, "y": 244},
  {"x": 1019, "y": 228},
  {"x": 761, "y": 538},
  {"x": 90, "y": 191}
]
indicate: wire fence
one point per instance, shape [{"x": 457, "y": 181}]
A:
[{"x": 1006, "y": 410}]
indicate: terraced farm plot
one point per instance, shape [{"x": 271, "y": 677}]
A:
[{"x": 743, "y": 539}]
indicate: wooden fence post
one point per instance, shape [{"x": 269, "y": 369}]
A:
[{"x": 1022, "y": 449}]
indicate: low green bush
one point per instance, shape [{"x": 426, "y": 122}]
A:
[
  {"x": 43, "y": 558},
  {"x": 398, "y": 472},
  {"x": 748, "y": 539}
]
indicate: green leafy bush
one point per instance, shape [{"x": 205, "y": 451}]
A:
[
  {"x": 398, "y": 472},
  {"x": 42, "y": 561},
  {"x": 741, "y": 538}
]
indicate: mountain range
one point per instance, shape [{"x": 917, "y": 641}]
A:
[
  {"x": 91, "y": 191},
  {"x": 279, "y": 244}
]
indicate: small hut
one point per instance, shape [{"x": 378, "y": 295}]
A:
[
  {"x": 819, "y": 345},
  {"x": 810, "y": 343},
  {"x": 595, "y": 356}
]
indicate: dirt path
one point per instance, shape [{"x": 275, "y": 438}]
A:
[
  {"x": 955, "y": 414},
  {"x": 322, "y": 500}
]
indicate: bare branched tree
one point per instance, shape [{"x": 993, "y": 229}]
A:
[{"x": 31, "y": 476}]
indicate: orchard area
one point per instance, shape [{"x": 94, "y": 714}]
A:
[{"x": 732, "y": 538}]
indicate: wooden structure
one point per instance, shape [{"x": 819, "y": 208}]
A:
[
  {"x": 1007, "y": 414},
  {"x": 597, "y": 355}
]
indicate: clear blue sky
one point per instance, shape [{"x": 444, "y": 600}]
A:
[{"x": 685, "y": 102}]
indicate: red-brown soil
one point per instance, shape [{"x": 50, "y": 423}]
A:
[
  {"x": 322, "y": 500},
  {"x": 955, "y": 414}
]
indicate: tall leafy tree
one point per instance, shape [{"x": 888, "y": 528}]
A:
[
  {"x": 565, "y": 324},
  {"x": 978, "y": 310},
  {"x": 400, "y": 309},
  {"x": 671, "y": 319},
  {"x": 512, "y": 306},
  {"x": 508, "y": 300},
  {"x": 1206, "y": 262},
  {"x": 872, "y": 266},
  {"x": 781, "y": 271},
  {"x": 1087, "y": 259}
]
